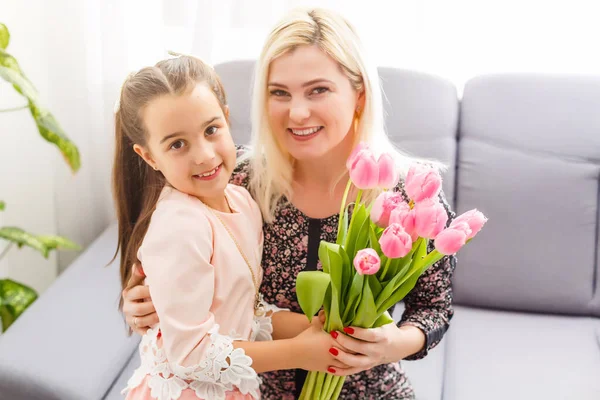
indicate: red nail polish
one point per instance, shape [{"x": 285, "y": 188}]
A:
[
  {"x": 349, "y": 330},
  {"x": 334, "y": 334},
  {"x": 333, "y": 351},
  {"x": 331, "y": 370},
  {"x": 159, "y": 334}
]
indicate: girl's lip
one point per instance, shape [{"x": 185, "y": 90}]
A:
[{"x": 210, "y": 177}]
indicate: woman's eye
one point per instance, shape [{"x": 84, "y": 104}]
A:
[
  {"x": 211, "y": 130},
  {"x": 177, "y": 145},
  {"x": 278, "y": 93},
  {"x": 319, "y": 90}
]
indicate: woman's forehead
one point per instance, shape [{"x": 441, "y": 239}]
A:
[{"x": 303, "y": 64}]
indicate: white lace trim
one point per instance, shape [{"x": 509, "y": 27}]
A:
[
  {"x": 222, "y": 369},
  {"x": 262, "y": 326}
]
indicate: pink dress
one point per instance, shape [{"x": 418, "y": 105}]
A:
[{"x": 204, "y": 296}]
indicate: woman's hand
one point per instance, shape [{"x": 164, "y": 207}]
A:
[
  {"x": 312, "y": 349},
  {"x": 138, "y": 309},
  {"x": 362, "y": 349}
]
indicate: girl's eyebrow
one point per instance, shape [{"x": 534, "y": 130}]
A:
[
  {"x": 204, "y": 125},
  {"x": 305, "y": 84}
]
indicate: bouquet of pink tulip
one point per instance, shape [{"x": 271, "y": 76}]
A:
[{"x": 380, "y": 252}]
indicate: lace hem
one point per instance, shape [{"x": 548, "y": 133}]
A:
[
  {"x": 223, "y": 369},
  {"x": 262, "y": 325}
]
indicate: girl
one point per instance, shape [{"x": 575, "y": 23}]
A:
[{"x": 200, "y": 241}]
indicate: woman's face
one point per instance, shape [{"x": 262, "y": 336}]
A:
[{"x": 311, "y": 103}]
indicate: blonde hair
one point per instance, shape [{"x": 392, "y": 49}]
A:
[{"x": 271, "y": 165}]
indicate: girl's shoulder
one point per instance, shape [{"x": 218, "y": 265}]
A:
[{"x": 177, "y": 211}]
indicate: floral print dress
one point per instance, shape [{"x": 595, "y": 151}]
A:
[{"x": 291, "y": 242}]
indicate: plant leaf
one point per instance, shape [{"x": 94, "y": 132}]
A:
[
  {"x": 4, "y": 36},
  {"x": 47, "y": 125},
  {"x": 22, "y": 238},
  {"x": 353, "y": 298},
  {"x": 58, "y": 242},
  {"x": 311, "y": 287},
  {"x": 383, "y": 319},
  {"x": 332, "y": 260},
  {"x": 2, "y": 205},
  {"x": 44, "y": 244},
  {"x": 14, "y": 299},
  {"x": 366, "y": 313}
]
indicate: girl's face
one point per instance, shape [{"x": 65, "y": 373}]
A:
[
  {"x": 190, "y": 143},
  {"x": 311, "y": 103}
]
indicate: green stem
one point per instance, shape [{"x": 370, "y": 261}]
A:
[
  {"x": 6, "y": 249},
  {"x": 338, "y": 389},
  {"x": 3, "y": 110},
  {"x": 358, "y": 196},
  {"x": 343, "y": 207},
  {"x": 385, "y": 268}
]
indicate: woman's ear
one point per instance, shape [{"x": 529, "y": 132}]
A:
[
  {"x": 146, "y": 156},
  {"x": 360, "y": 101}
]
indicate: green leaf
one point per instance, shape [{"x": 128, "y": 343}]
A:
[
  {"x": 332, "y": 261},
  {"x": 58, "y": 242},
  {"x": 4, "y": 36},
  {"x": 366, "y": 313},
  {"x": 2, "y": 205},
  {"x": 374, "y": 239},
  {"x": 359, "y": 215},
  {"x": 22, "y": 238},
  {"x": 14, "y": 299},
  {"x": 353, "y": 298},
  {"x": 383, "y": 319},
  {"x": 376, "y": 287},
  {"x": 47, "y": 125},
  {"x": 343, "y": 229},
  {"x": 311, "y": 287},
  {"x": 43, "y": 244}
]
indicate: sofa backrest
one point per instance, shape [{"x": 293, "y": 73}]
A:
[
  {"x": 529, "y": 157},
  {"x": 527, "y": 154}
]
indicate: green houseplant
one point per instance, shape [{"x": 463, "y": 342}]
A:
[{"x": 14, "y": 296}]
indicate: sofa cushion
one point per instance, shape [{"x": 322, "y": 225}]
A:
[
  {"x": 497, "y": 355},
  {"x": 529, "y": 158}
]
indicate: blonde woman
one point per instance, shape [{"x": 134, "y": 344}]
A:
[{"x": 316, "y": 97}]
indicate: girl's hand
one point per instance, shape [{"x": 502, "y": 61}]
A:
[
  {"x": 138, "y": 309},
  {"x": 376, "y": 346},
  {"x": 312, "y": 349}
]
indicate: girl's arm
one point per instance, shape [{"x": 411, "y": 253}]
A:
[{"x": 287, "y": 324}]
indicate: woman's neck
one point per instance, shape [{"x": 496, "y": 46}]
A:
[{"x": 324, "y": 172}]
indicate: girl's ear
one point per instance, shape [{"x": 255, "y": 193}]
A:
[{"x": 146, "y": 156}]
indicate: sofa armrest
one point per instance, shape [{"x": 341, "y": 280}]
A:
[{"x": 72, "y": 342}]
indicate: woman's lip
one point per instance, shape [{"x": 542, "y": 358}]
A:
[{"x": 302, "y": 138}]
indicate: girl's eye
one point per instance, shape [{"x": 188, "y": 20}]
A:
[
  {"x": 320, "y": 90},
  {"x": 177, "y": 145},
  {"x": 278, "y": 93},
  {"x": 211, "y": 130}
]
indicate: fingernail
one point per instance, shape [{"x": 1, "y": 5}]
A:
[
  {"x": 334, "y": 334},
  {"x": 333, "y": 351},
  {"x": 159, "y": 334},
  {"x": 331, "y": 370},
  {"x": 349, "y": 330}
]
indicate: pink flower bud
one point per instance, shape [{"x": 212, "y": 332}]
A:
[
  {"x": 355, "y": 151},
  {"x": 422, "y": 182},
  {"x": 450, "y": 240},
  {"x": 364, "y": 171},
  {"x": 383, "y": 206},
  {"x": 388, "y": 173},
  {"x": 404, "y": 216},
  {"x": 367, "y": 262},
  {"x": 475, "y": 219},
  {"x": 395, "y": 242},
  {"x": 430, "y": 218}
]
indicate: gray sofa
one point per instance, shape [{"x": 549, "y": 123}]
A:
[{"x": 525, "y": 149}]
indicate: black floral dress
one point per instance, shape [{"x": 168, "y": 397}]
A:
[{"x": 290, "y": 246}]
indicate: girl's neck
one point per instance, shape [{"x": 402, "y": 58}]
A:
[{"x": 219, "y": 203}]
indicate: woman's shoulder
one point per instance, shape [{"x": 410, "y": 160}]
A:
[{"x": 241, "y": 172}]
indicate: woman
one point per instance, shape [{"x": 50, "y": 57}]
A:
[{"x": 314, "y": 99}]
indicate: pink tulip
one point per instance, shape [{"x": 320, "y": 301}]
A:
[
  {"x": 430, "y": 218},
  {"x": 422, "y": 182},
  {"x": 475, "y": 219},
  {"x": 355, "y": 151},
  {"x": 388, "y": 173},
  {"x": 367, "y": 262},
  {"x": 404, "y": 216},
  {"x": 383, "y": 206},
  {"x": 364, "y": 171},
  {"x": 450, "y": 240},
  {"x": 395, "y": 242}
]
